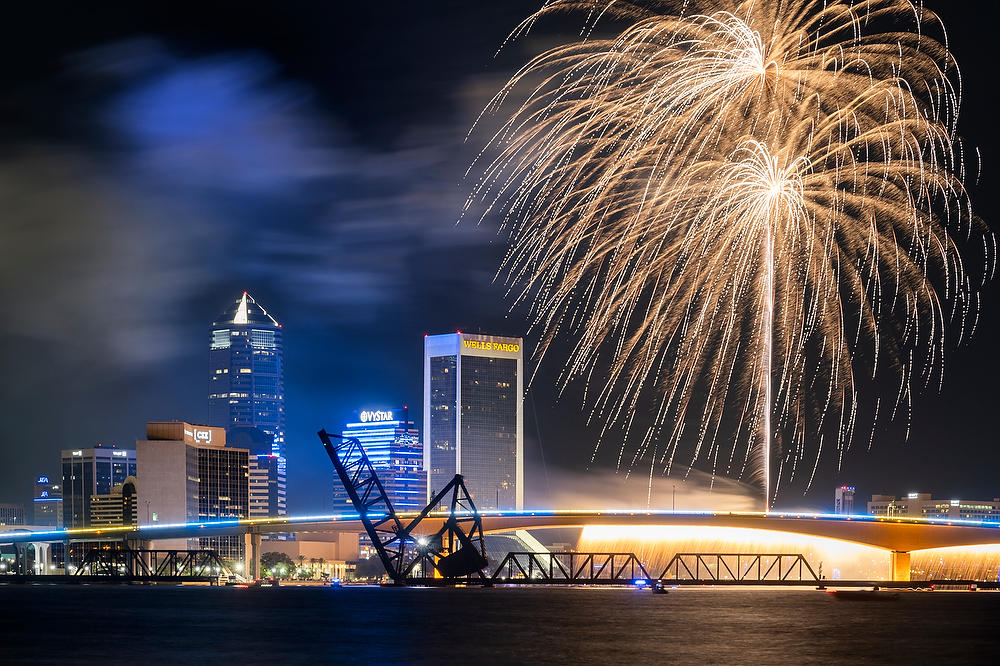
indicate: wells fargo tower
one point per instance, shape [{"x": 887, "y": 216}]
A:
[{"x": 473, "y": 416}]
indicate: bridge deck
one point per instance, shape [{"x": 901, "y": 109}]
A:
[{"x": 898, "y": 534}]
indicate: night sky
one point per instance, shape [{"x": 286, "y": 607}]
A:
[{"x": 158, "y": 158}]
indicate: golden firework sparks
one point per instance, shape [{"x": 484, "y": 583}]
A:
[{"x": 740, "y": 214}]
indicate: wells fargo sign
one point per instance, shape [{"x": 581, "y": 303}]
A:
[{"x": 485, "y": 345}]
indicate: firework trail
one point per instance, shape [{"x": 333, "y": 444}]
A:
[{"x": 744, "y": 215}]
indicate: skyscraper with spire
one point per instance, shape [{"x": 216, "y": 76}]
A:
[{"x": 246, "y": 396}]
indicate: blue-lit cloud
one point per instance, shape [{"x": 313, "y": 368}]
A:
[
  {"x": 224, "y": 122},
  {"x": 214, "y": 171}
]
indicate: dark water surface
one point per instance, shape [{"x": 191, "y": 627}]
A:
[{"x": 228, "y": 626}]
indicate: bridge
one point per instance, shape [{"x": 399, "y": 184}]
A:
[
  {"x": 452, "y": 540},
  {"x": 899, "y": 536}
]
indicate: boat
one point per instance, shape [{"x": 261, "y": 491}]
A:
[
  {"x": 262, "y": 582},
  {"x": 864, "y": 595},
  {"x": 659, "y": 588}
]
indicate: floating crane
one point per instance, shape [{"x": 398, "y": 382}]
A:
[{"x": 455, "y": 550}]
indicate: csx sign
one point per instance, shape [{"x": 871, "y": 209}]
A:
[
  {"x": 369, "y": 416},
  {"x": 203, "y": 436}
]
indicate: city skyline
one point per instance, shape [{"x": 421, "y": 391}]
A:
[
  {"x": 531, "y": 331},
  {"x": 358, "y": 287}
]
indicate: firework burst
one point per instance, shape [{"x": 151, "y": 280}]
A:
[{"x": 744, "y": 216}]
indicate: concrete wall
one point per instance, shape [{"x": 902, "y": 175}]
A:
[
  {"x": 161, "y": 467},
  {"x": 335, "y": 546}
]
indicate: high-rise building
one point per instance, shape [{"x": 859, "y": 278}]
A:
[
  {"x": 266, "y": 499},
  {"x": 11, "y": 514},
  {"x": 246, "y": 371},
  {"x": 843, "y": 500},
  {"x": 246, "y": 396},
  {"x": 267, "y": 472},
  {"x": 473, "y": 416},
  {"x": 922, "y": 505},
  {"x": 392, "y": 443},
  {"x": 48, "y": 502},
  {"x": 188, "y": 474},
  {"x": 89, "y": 472}
]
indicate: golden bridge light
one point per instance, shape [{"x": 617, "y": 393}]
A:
[{"x": 656, "y": 544}]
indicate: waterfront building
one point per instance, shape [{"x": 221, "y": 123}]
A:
[
  {"x": 392, "y": 443},
  {"x": 116, "y": 509},
  {"x": 473, "y": 416},
  {"x": 843, "y": 500},
  {"x": 11, "y": 514},
  {"x": 89, "y": 472},
  {"x": 48, "y": 502},
  {"x": 188, "y": 474},
  {"x": 922, "y": 505},
  {"x": 246, "y": 396},
  {"x": 326, "y": 555}
]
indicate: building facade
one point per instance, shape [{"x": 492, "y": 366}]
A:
[
  {"x": 246, "y": 396},
  {"x": 267, "y": 486},
  {"x": 11, "y": 514},
  {"x": 267, "y": 471},
  {"x": 392, "y": 443},
  {"x": 89, "y": 472},
  {"x": 48, "y": 502},
  {"x": 922, "y": 505},
  {"x": 116, "y": 509},
  {"x": 188, "y": 474},
  {"x": 843, "y": 500},
  {"x": 473, "y": 416}
]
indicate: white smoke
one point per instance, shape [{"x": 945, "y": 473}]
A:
[{"x": 602, "y": 489}]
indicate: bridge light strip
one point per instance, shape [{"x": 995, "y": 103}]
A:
[{"x": 152, "y": 529}]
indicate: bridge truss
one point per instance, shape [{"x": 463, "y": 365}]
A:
[
  {"x": 455, "y": 550},
  {"x": 570, "y": 568},
  {"x": 152, "y": 565},
  {"x": 739, "y": 567}
]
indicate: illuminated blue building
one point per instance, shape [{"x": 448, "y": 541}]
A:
[
  {"x": 246, "y": 396},
  {"x": 394, "y": 448}
]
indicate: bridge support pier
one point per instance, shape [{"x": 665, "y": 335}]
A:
[
  {"x": 899, "y": 565},
  {"x": 45, "y": 561},
  {"x": 41, "y": 560},
  {"x": 251, "y": 550}
]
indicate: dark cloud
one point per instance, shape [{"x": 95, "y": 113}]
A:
[{"x": 207, "y": 175}]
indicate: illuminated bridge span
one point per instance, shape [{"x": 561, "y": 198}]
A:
[{"x": 898, "y": 535}]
